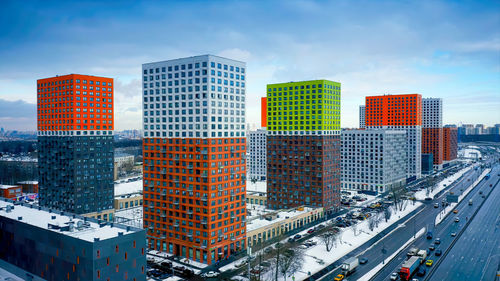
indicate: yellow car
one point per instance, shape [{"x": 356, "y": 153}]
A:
[
  {"x": 455, "y": 211},
  {"x": 339, "y": 277},
  {"x": 429, "y": 262}
]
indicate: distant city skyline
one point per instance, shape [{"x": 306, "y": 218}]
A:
[{"x": 438, "y": 49}]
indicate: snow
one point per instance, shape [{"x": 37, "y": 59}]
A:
[
  {"x": 469, "y": 153},
  {"x": 41, "y": 218},
  {"x": 260, "y": 186},
  {"x": 314, "y": 254},
  {"x": 377, "y": 268},
  {"x": 282, "y": 215},
  {"x": 7, "y": 275},
  {"x": 134, "y": 215},
  {"x": 421, "y": 195},
  {"x": 4, "y": 186},
  {"x": 128, "y": 187},
  {"x": 442, "y": 215}
]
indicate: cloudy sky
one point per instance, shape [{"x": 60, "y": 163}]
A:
[{"x": 446, "y": 49}]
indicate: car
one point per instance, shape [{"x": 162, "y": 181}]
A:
[
  {"x": 429, "y": 262},
  {"x": 480, "y": 192},
  {"x": 363, "y": 260},
  {"x": 311, "y": 230},
  {"x": 210, "y": 274},
  {"x": 431, "y": 247},
  {"x": 457, "y": 219},
  {"x": 321, "y": 226},
  {"x": 302, "y": 246},
  {"x": 298, "y": 236},
  {"x": 438, "y": 253},
  {"x": 240, "y": 263},
  {"x": 421, "y": 271},
  {"x": 436, "y": 205},
  {"x": 268, "y": 250},
  {"x": 455, "y": 211},
  {"x": 453, "y": 234},
  {"x": 339, "y": 277},
  {"x": 291, "y": 240},
  {"x": 437, "y": 241},
  {"x": 428, "y": 199},
  {"x": 394, "y": 276}
]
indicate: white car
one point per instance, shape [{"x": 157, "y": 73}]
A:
[
  {"x": 394, "y": 276},
  {"x": 210, "y": 274}
]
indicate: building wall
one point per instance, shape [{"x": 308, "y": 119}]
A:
[
  {"x": 450, "y": 144},
  {"x": 75, "y": 143},
  {"x": 125, "y": 202},
  {"x": 432, "y": 143},
  {"x": 29, "y": 186},
  {"x": 257, "y": 154},
  {"x": 373, "y": 160},
  {"x": 7, "y": 191},
  {"x": 399, "y": 112},
  {"x": 303, "y": 144},
  {"x": 194, "y": 151},
  {"x": 55, "y": 256},
  {"x": 362, "y": 116}
]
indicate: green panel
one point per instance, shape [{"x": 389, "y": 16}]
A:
[{"x": 303, "y": 106}]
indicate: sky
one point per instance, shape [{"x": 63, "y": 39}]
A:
[{"x": 440, "y": 49}]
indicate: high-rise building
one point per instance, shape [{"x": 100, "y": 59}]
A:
[
  {"x": 303, "y": 144},
  {"x": 75, "y": 144},
  {"x": 39, "y": 243},
  {"x": 257, "y": 154},
  {"x": 432, "y": 130},
  {"x": 361, "y": 116},
  {"x": 373, "y": 160},
  {"x": 194, "y": 151},
  {"x": 399, "y": 112},
  {"x": 450, "y": 145}
]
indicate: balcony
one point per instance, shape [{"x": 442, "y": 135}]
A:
[
  {"x": 176, "y": 224},
  {"x": 204, "y": 175},
  {"x": 189, "y": 212},
  {"x": 176, "y": 180},
  {"x": 190, "y": 235},
  {"x": 190, "y": 166},
  {"x": 176, "y": 202},
  {"x": 163, "y": 172},
  {"x": 204, "y": 222},
  {"x": 204, "y": 152},
  {"x": 204, "y": 198}
]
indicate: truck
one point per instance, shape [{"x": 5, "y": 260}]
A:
[
  {"x": 422, "y": 254},
  {"x": 413, "y": 251},
  {"x": 349, "y": 266},
  {"x": 429, "y": 234},
  {"x": 409, "y": 268}
]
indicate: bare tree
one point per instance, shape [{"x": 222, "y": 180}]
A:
[
  {"x": 329, "y": 238},
  {"x": 289, "y": 262},
  {"x": 371, "y": 222},
  {"x": 387, "y": 214}
]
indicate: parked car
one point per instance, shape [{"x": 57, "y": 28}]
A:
[
  {"x": 311, "y": 230},
  {"x": 297, "y": 236},
  {"x": 210, "y": 274}
]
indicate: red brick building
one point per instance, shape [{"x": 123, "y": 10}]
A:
[
  {"x": 450, "y": 146},
  {"x": 10, "y": 191}
]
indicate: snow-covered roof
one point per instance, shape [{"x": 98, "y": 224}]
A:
[
  {"x": 128, "y": 187},
  {"x": 4, "y": 186},
  {"x": 83, "y": 228},
  {"x": 260, "y": 186},
  {"x": 28, "y": 182},
  {"x": 281, "y": 215}
]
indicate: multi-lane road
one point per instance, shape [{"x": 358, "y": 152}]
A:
[{"x": 393, "y": 241}]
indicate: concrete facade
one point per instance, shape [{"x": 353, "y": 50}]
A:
[{"x": 257, "y": 154}]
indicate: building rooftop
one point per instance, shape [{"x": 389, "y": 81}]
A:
[
  {"x": 28, "y": 182},
  {"x": 278, "y": 216},
  {"x": 259, "y": 186},
  {"x": 128, "y": 186},
  {"x": 4, "y": 186},
  {"x": 69, "y": 224}
]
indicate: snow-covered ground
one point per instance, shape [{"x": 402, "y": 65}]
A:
[
  {"x": 134, "y": 215},
  {"x": 122, "y": 187},
  {"x": 469, "y": 153},
  {"x": 315, "y": 255},
  {"x": 7, "y": 275},
  {"x": 420, "y": 195},
  {"x": 377, "y": 268},
  {"x": 442, "y": 215}
]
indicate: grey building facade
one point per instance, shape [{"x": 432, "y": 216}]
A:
[
  {"x": 373, "y": 160},
  {"x": 42, "y": 244},
  {"x": 257, "y": 158}
]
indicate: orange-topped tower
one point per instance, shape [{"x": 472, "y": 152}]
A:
[
  {"x": 401, "y": 112},
  {"x": 75, "y": 142}
]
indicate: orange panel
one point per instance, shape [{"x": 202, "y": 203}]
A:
[
  {"x": 75, "y": 102},
  {"x": 393, "y": 110},
  {"x": 263, "y": 112}
]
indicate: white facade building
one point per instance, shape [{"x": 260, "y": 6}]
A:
[
  {"x": 194, "y": 97},
  {"x": 373, "y": 160},
  {"x": 432, "y": 113},
  {"x": 362, "y": 116},
  {"x": 257, "y": 150}
]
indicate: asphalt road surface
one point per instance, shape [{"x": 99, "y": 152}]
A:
[
  {"x": 400, "y": 236},
  {"x": 476, "y": 254},
  {"x": 446, "y": 228}
]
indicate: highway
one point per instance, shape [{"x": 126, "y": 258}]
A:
[
  {"x": 393, "y": 241},
  {"x": 444, "y": 231},
  {"x": 476, "y": 254}
]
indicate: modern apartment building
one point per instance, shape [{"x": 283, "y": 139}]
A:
[
  {"x": 432, "y": 130},
  {"x": 303, "y": 144},
  {"x": 361, "y": 116},
  {"x": 257, "y": 154},
  {"x": 194, "y": 151},
  {"x": 38, "y": 243},
  {"x": 450, "y": 147},
  {"x": 373, "y": 160},
  {"x": 399, "y": 112},
  {"x": 75, "y": 144}
]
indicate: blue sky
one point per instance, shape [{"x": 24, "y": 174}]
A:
[{"x": 446, "y": 49}]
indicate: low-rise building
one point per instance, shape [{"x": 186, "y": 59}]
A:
[
  {"x": 373, "y": 160},
  {"x": 29, "y": 186},
  {"x": 10, "y": 191},
  {"x": 44, "y": 244}
]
